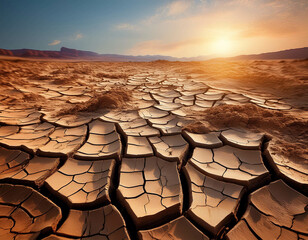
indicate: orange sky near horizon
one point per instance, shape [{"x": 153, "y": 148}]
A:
[{"x": 225, "y": 28}]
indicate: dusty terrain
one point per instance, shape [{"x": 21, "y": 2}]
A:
[{"x": 154, "y": 148}]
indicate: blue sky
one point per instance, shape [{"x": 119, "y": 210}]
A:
[{"x": 177, "y": 28}]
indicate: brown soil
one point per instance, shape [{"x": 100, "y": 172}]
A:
[
  {"x": 113, "y": 99},
  {"x": 286, "y": 80},
  {"x": 290, "y": 132}
]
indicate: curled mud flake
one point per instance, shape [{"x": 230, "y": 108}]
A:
[
  {"x": 138, "y": 128},
  {"x": 83, "y": 182},
  {"x": 244, "y": 167},
  {"x": 64, "y": 141},
  {"x": 103, "y": 142},
  {"x": 150, "y": 189},
  {"x": 288, "y": 168},
  {"x": 170, "y": 148},
  {"x": 138, "y": 147},
  {"x": 242, "y": 139},
  {"x": 102, "y": 223},
  {"x": 209, "y": 140},
  {"x": 214, "y": 203},
  {"x": 20, "y": 117},
  {"x": 275, "y": 211},
  {"x": 25, "y": 212},
  {"x": 35, "y": 171},
  {"x": 180, "y": 228},
  {"x": 30, "y": 137}
]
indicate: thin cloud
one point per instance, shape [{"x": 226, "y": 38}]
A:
[
  {"x": 125, "y": 26},
  {"x": 177, "y": 7},
  {"x": 270, "y": 28},
  {"x": 68, "y": 39},
  {"x": 169, "y": 10},
  {"x": 55, "y": 42},
  {"x": 160, "y": 47},
  {"x": 78, "y": 36}
]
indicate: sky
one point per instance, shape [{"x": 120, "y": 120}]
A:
[{"x": 180, "y": 28}]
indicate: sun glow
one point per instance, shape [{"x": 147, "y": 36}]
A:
[{"x": 222, "y": 46}]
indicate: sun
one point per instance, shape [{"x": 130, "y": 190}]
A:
[{"x": 222, "y": 46}]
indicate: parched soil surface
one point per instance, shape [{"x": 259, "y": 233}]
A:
[{"x": 160, "y": 150}]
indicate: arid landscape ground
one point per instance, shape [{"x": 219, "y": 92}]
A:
[{"x": 154, "y": 150}]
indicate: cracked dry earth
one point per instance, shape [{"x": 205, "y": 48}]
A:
[{"x": 138, "y": 174}]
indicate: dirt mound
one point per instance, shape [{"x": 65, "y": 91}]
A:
[
  {"x": 199, "y": 127},
  {"x": 111, "y": 75},
  {"x": 254, "y": 117},
  {"x": 113, "y": 99},
  {"x": 290, "y": 133}
]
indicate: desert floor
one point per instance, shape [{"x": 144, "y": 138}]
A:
[{"x": 160, "y": 150}]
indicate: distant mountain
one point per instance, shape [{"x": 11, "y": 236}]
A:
[
  {"x": 6, "y": 52},
  {"x": 69, "y": 53},
  {"x": 297, "y": 53},
  {"x": 35, "y": 53},
  {"x": 63, "y": 53}
]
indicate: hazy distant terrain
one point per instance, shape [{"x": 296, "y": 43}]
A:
[
  {"x": 68, "y": 53},
  {"x": 298, "y": 53}
]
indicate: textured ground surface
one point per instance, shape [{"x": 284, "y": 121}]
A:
[{"x": 153, "y": 150}]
